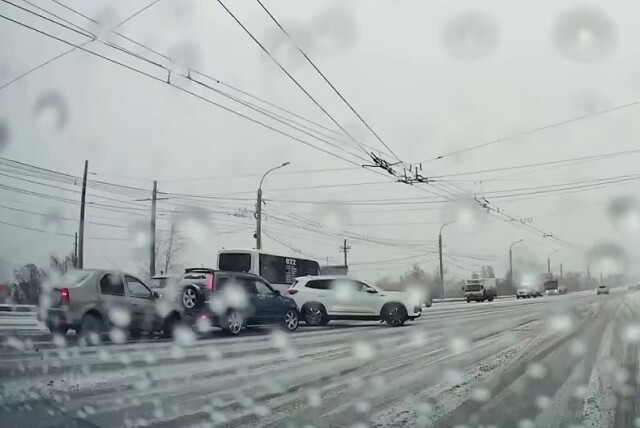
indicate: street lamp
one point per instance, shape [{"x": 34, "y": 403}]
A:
[
  {"x": 511, "y": 260},
  {"x": 440, "y": 251},
  {"x": 549, "y": 262},
  {"x": 259, "y": 207}
]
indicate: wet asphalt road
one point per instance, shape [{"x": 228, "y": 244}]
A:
[{"x": 547, "y": 362}]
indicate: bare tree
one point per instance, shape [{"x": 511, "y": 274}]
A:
[
  {"x": 169, "y": 250},
  {"x": 62, "y": 264}
]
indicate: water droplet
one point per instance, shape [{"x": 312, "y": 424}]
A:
[
  {"x": 344, "y": 290},
  {"x": 526, "y": 423},
  {"x": 631, "y": 333},
  {"x": 543, "y": 402},
  {"x": 471, "y": 36},
  {"x": 59, "y": 341},
  {"x": 261, "y": 410},
  {"x": 362, "y": 406},
  {"x": 480, "y": 394},
  {"x": 117, "y": 335},
  {"x": 185, "y": 56},
  {"x": 581, "y": 391},
  {"x": 536, "y": 370},
  {"x": 608, "y": 258},
  {"x": 589, "y": 102},
  {"x": 578, "y": 348},
  {"x": 51, "y": 111},
  {"x": 314, "y": 398},
  {"x": 585, "y": 34},
  {"x": 363, "y": 351},
  {"x": 458, "y": 344},
  {"x": 107, "y": 19},
  {"x": 184, "y": 336},
  {"x": 235, "y": 296},
  {"x": 452, "y": 375},
  {"x": 624, "y": 212},
  {"x": 562, "y": 322},
  {"x": 120, "y": 316}
]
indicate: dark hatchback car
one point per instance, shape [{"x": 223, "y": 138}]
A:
[{"x": 234, "y": 300}]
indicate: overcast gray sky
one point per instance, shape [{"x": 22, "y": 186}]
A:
[{"x": 431, "y": 77}]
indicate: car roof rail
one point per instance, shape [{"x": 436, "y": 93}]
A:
[{"x": 199, "y": 269}]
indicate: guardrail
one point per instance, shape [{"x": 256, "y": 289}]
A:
[
  {"x": 462, "y": 299},
  {"x": 18, "y": 308}
]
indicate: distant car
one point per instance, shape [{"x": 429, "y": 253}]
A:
[
  {"x": 524, "y": 293},
  {"x": 602, "y": 289},
  {"x": 324, "y": 298},
  {"x": 234, "y": 300},
  {"x": 92, "y": 301},
  {"x": 160, "y": 282}
]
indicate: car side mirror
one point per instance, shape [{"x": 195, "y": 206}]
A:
[
  {"x": 156, "y": 295},
  {"x": 276, "y": 292},
  {"x": 372, "y": 291}
]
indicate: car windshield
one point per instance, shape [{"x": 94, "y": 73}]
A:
[{"x": 168, "y": 168}]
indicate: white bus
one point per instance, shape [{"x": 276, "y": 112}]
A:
[{"x": 280, "y": 271}]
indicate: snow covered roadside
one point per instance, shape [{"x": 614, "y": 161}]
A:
[{"x": 600, "y": 401}]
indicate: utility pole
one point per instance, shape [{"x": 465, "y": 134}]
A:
[
  {"x": 75, "y": 251},
  {"x": 81, "y": 230},
  {"x": 258, "y": 213},
  {"x": 440, "y": 253},
  {"x": 345, "y": 249},
  {"x": 549, "y": 262},
  {"x": 600, "y": 276},
  {"x": 511, "y": 261},
  {"x": 152, "y": 240},
  {"x": 588, "y": 271},
  {"x": 561, "y": 270}
]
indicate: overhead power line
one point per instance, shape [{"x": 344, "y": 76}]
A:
[
  {"x": 327, "y": 80},
  {"x": 97, "y": 238},
  {"x": 536, "y": 130},
  {"x": 293, "y": 79},
  {"x": 532, "y": 165}
]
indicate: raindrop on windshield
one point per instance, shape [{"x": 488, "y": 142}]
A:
[
  {"x": 363, "y": 351},
  {"x": 536, "y": 370},
  {"x": 584, "y": 34},
  {"x": 480, "y": 394},
  {"x": 471, "y": 36},
  {"x": 51, "y": 111},
  {"x": 119, "y": 316},
  {"x": 624, "y": 212}
]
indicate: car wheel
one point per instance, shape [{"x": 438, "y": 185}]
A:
[
  {"x": 291, "y": 320},
  {"x": 234, "y": 323},
  {"x": 468, "y": 300},
  {"x": 57, "y": 329},
  {"x": 91, "y": 329},
  {"x": 315, "y": 315},
  {"x": 192, "y": 298},
  {"x": 490, "y": 299},
  {"x": 395, "y": 315},
  {"x": 169, "y": 326}
]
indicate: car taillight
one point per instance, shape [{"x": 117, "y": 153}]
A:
[
  {"x": 292, "y": 291},
  {"x": 65, "y": 297},
  {"x": 210, "y": 285}
]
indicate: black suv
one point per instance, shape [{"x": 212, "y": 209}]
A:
[{"x": 233, "y": 300}]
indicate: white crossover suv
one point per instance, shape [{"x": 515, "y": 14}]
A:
[{"x": 324, "y": 298}]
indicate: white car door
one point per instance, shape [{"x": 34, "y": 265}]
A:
[
  {"x": 366, "y": 300},
  {"x": 319, "y": 290}
]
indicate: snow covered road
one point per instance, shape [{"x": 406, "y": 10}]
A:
[{"x": 543, "y": 362}]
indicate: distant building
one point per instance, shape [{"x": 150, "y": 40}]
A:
[{"x": 334, "y": 270}]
